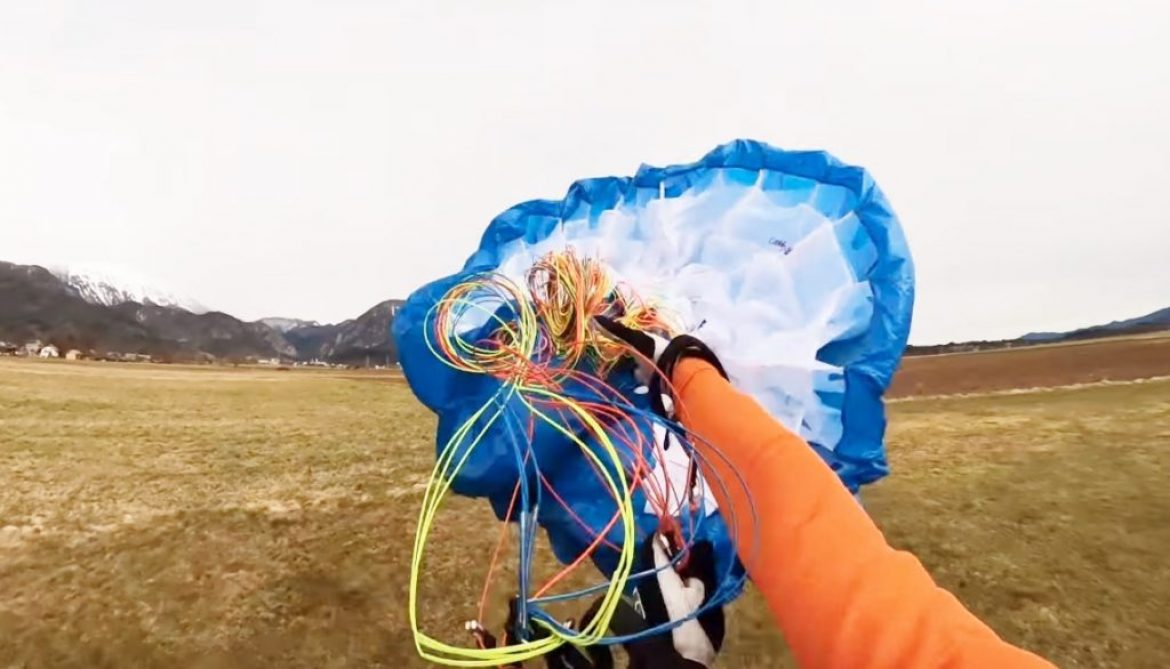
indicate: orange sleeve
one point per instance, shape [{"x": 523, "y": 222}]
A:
[{"x": 841, "y": 595}]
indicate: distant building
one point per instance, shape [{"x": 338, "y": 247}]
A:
[
  {"x": 50, "y": 351},
  {"x": 73, "y": 354},
  {"x": 8, "y": 349},
  {"x": 32, "y": 348}
]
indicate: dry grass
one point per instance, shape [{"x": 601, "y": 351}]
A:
[{"x": 156, "y": 516}]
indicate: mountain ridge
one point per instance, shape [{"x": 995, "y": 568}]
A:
[
  {"x": 285, "y": 324},
  {"x": 110, "y": 287},
  {"x": 365, "y": 339},
  {"x": 1155, "y": 321},
  {"x": 1152, "y": 322},
  {"x": 37, "y": 304}
]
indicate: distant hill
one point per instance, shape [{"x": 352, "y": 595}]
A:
[
  {"x": 367, "y": 336},
  {"x": 103, "y": 313},
  {"x": 1041, "y": 337},
  {"x": 37, "y": 304},
  {"x": 99, "y": 313},
  {"x": 356, "y": 341},
  {"x": 113, "y": 286},
  {"x": 1153, "y": 322},
  {"x": 286, "y": 324}
]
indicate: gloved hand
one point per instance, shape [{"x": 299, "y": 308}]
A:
[
  {"x": 671, "y": 596},
  {"x": 564, "y": 657},
  {"x": 657, "y": 357},
  {"x": 648, "y": 347}
]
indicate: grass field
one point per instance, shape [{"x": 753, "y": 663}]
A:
[{"x": 156, "y": 516}]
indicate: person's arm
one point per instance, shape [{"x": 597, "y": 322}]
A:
[{"x": 840, "y": 594}]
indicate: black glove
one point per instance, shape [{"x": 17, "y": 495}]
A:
[
  {"x": 670, "y": 596},
  {"x": 566, "y": 656},
  {"x": 666, "y": 596},
  {"x": 665, "y": 355}
]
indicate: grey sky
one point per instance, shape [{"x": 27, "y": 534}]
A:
[{"x": 311, "y": 159}]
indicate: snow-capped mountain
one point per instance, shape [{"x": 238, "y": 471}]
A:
[
  {"x": 110, "y": 311},
  {"x": 111, "y": 286},
  {"x": 283, "y": 325}
]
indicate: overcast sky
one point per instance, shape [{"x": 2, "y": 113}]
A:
[{"x": 311, "y": 159}]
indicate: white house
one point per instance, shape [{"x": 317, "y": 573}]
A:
[{"x": 50, "y": 351}]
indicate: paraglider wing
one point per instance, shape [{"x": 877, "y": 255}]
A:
[{"x": 790, "y": 265}]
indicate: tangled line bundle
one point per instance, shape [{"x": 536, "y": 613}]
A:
[{"x": 537, "y": 341}]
